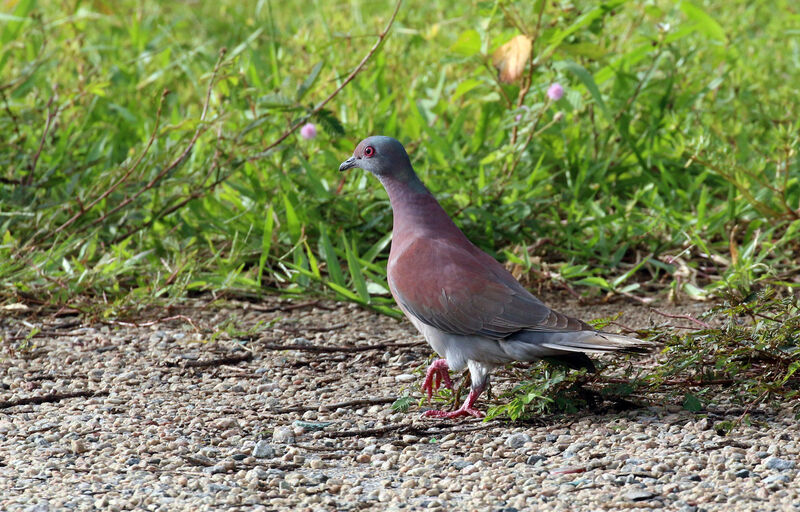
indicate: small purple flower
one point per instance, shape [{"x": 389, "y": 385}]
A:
[
  {"x": 555, "y": 92},
  {"x": 518, "y": 117},
  {"x": 308, "y": 131}
]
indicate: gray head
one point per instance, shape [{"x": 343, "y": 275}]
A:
[{"x": 383, "y": 156}]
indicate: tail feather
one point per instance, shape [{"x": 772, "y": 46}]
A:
[{"x": 567, "y": 343}]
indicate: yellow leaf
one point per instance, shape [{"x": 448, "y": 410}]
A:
[
  {"x": 103, "y": 7},
  {"x": 510, "y": 58},
  {"x": 732, "y": 246}
]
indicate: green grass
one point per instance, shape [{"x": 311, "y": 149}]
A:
[
  {"x": 674, "y": 167},
  {"x": 753, "y": 357}
]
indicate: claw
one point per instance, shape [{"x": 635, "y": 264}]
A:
[
  {"x": 436, "y": 375},
  {"x": 465, "y": 410}
]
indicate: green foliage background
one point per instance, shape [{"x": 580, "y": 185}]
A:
[{"x": 675, "y": 164}]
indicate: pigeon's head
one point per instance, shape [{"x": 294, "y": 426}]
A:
[{"x": 380, "y": 155}]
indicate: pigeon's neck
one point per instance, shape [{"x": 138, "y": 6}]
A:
[
  {"x": 416, "y": 211},
  {"x": 403, "y": 184}
]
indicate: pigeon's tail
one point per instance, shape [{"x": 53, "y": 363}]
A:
[
  {"x": 571, "y": 347},
  {"x": 594, "y": 342}
]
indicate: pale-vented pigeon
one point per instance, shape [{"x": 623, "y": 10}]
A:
[{"x": 471, "y": 310}]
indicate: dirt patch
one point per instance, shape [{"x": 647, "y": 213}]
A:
[{"x": 283, "y": 405}]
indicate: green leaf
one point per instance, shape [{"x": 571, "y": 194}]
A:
[
  {"x": 582, "y": 20},
  {"x": 695, "y": 292},
  {"x": 374, "y": 288},
  {"x": 589, "y": 50},
  {"x": 252, "y": 126},
  {"x": 244, "y": 44},
  {"x": 315, "y": 183},
  {"x": 724, "y": 428},
  {"x": 9, "y": 17},
  {"x": 292, "y": 221},
  {"x": 705, "y": 23},
  {"x": 329, "y": 122},
  {"x": 343, "y": 291},
  {"x": 468, "y": 43},
  {"x": 588, "y": 81},
  {"x": 377, "y": 247},
  {"x": 791, "y": 371},
  {"x": 618, "y": 390},
  {"x": 332, "y": 261},
  {"x": 275, "y": 100},
  {"x": 402, "y": 404},
  {"x": 312, "y": 261},
  {"x": 595, "y": 281},
  {"x": 356, "y": 275},
  {"x": 308, "y": 82},
  {"x": 624, "y": 277},
  {"x": 266, "y": 241},
  {"x": 692, "y": 403},
  {"x": 464, "y": 87}
]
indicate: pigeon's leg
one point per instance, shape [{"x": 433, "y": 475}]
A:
[
  {"x": 465, "y": 410},
  {"x": 438, "y": 373}
]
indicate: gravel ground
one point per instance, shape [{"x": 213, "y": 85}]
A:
[{"x": 170, "y": 416}]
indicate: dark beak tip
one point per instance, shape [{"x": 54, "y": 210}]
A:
[{"x": 348, "y": 164}]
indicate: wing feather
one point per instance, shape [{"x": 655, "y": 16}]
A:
[{"x": 462, "y": 290}]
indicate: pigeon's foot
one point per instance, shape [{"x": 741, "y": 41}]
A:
[
  {"x": 437, "y": 374},
  {"x": 465, "y": 410},
  {"x": 462, "y": 411}
]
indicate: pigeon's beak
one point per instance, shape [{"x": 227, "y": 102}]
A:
[{"x": 348, "y": 164}]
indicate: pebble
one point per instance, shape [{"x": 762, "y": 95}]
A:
[
  {"x": 776, "y": 478},
  {"x": 533, "y": 459},
  {"x": 283, "y": 435},
  {"x": 779, "y": 464},
  {"x": 312, "y": 425},
  {"x": 170, "y": 438},
  {"x": 257, "y": 474},
  {"x": 263, "y": 450},
  {"x": 216, "y": 469},
  {"x": 640, "y": 495},
  {"x": 518, "y": 440},
  {"x": 215, "y": 488},
  {"x": 77, "y": 446},
  {"x": 225, "y": 423}
]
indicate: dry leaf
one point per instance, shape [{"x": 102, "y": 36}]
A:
[
  {"x": 732, "y": 245},
  {"x": 510, "y": 58}
]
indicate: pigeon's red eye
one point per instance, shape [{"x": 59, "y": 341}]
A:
[{"x": 369, "y": 151}]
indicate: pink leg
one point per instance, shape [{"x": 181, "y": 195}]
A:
[
  {"x": 464, "y": 410},
  {"x": 436, "y": 375}
]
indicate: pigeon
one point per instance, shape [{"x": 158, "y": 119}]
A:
[{"x": 469, "y": 308}]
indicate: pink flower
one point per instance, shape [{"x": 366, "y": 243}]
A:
[
  {"x": 555, "y": 92},
  {"x": 308, "y": 131}
]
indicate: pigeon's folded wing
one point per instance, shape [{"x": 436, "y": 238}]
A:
[{"x": 459, "y": 289}]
